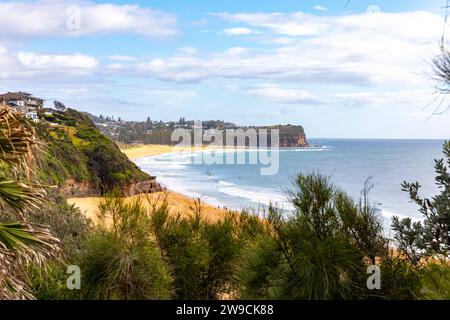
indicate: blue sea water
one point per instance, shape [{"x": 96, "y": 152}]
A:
[{"x": 348, "y": 163}]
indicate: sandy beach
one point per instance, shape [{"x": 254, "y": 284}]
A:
[
  {"x": 141, "y": 150},
  {"x": 178, "y": 203}
]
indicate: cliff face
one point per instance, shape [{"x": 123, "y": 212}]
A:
[
  {"x": 290, "y": 136},
  {"x": 293, "y": 136}
]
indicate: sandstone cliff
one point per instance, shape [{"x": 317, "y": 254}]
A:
[{"x": 292, "y": 136}]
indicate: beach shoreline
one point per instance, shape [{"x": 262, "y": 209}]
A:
[
  {"x": 137, "y": 151},
  {"x": 178, "y": 203}
]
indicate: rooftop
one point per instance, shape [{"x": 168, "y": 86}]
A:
[{"x": 22, "y": 94}]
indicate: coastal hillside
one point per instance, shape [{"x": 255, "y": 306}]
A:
[{"x": 81, "y": 161}]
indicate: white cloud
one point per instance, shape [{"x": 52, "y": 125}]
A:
[
  {"x": 411, "y": 25},
  {"x": 46, "y": 61},
  {"x": 358, "y": 49},
  {"x": 284, "y": 95},
  {"x": 379, "y": 99},
  {"x": 320, "y": 8},
  {"x": 170, "y": 93},
  {"x": 199, "y": 23},
  {"x": 7, "y": 62},
  {"x": 115, "y": 66},
  {"x": 188, "y": 50},
  {"x": 282, "y": 40},
  {"x": 295, "y": 24},
  {"x": 122, "y": 58},
  {"x": 52, "y": 18},
  {"x": 238, "y": 32},
  {"x": 235, "y": 51},
  {"x": 39, "y": 68},
  {"x": 291, "y": 95}
]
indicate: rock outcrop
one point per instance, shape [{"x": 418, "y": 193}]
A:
[
  {"x": 293, "y": 136},
  {"x": 147, "y": 186},
  {"x": 73, "y": 189},
  {"x": 289, "y": 136}
]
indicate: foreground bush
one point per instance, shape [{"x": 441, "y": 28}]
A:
[
  {"x": 202, "y": 254},
  {"x": 430, "y": 237},
  {"x": 318, "y": 252},
  {"x": 119, "y": 261},
  {"x": 114, "y": 269},
  {"x": 436, "y": 280}
]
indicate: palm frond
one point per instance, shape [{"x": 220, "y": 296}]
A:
[
  {"x": 18, "y": 236},
  {"x": 19, "y": 195},
  {"x": 16, "y": 137},
  {"x": 21, "y": 245}
]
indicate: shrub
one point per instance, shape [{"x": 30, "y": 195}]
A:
[
  {"x": 400, "y": 280},
  {"x": 112, "y": 268},
  {"x": 202, "y": 254},
  {"x": 318, "y": 252},
  {"x": 65, "y": 221},
  {"x": 432, "y": 236},
  {"x": 435, "y": 278},
  {"x": 51, "y": 283},
  {"x": 119, "y": 261}
]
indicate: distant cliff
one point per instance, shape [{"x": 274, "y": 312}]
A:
[
  {"x": 292, "y": 136},
  {"x": 159, "y": 132},
  {"x": 83, "y": 162},
  {"x": 289, "y": 136}
]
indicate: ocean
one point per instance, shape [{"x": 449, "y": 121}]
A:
[{"x": 347, "y": 162}]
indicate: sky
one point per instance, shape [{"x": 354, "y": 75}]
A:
[{"x": 342, "y": 68}]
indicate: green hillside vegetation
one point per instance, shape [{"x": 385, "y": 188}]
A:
[{"x": 75, "y": 149}]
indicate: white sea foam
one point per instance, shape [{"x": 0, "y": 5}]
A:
[
  {"x": 226, "y": 184},
  {"x": 259, "y": 197},
  {"x": 171, "y": 172}
]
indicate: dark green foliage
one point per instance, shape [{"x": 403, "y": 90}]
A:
[
  {"x": 256, "y": 275},
  {"x": 77, "y": 150},
  {"x": 120, "y": 261},
  {"x": 112, "y": 268},
  {"x": 66, "y": 222},
  {"x": 316, "y": 253},
  {"x": 51, "y": 283},
  {"x": 432, "y": 236},
  {"x": 436, "y": 280},
  {"x": 202, "y": 254},
  {"x": 400, "y": 279}
]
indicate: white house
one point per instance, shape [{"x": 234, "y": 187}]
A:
[{"x": 32, "y": 115}]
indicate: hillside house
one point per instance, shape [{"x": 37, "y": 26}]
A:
[
  {"x": 22, "y": 101},
  {"x": 32, "y": 115}
]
